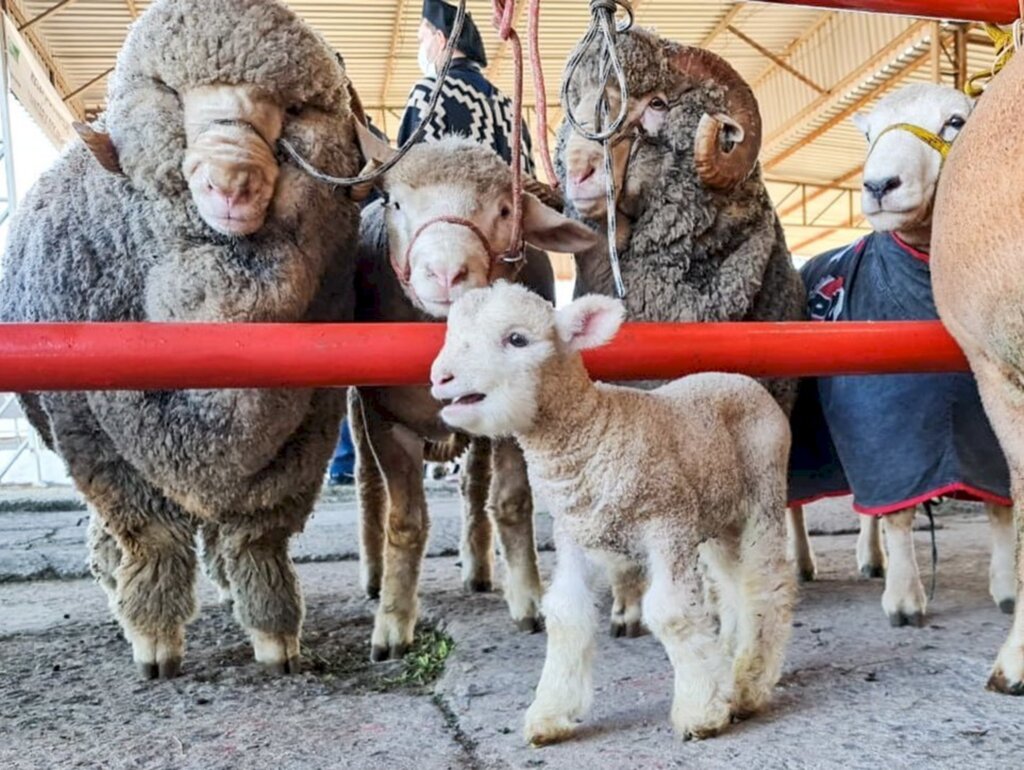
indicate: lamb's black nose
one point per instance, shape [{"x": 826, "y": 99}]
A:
[{"x": 879, "y": 187}]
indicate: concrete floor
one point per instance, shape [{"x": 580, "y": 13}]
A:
[{"x": 855, "y": 693}]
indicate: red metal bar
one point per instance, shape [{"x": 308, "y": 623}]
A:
[
  {"x": 994, "y": 11},
  {"x": 137, "y": 356}
]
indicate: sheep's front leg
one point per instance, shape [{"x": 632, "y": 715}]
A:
[
  {"x": 511, "y": 502},
  {"x": 476, "y": 548},
  {"x": 1002, "y": 576},
  {"x": 372, "y": 498},
  {"x": 904, "y": 600},
  {"x": 400, "y": 454},
  {"x": 675, "y": 610},
  {"x": 800, "y": 550},
  {"x": 566, "y": 690},
  {"x": 629, "y": 580},
  {"x": 870, "y": 554},
  {"x": 264, "y": 588}
]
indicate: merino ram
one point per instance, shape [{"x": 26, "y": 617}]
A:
[{"x": 182, "y": 212}]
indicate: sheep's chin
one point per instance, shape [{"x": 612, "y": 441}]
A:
[
  {"x": 465, "y": 417},
  {"x": 883, "y": 221},
  {"x": 591, "y": 208}
]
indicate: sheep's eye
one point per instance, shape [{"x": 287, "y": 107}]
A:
[
  {"x": 385, "y": 197},
  {"x": 957, "y": 121},
  {"x": 295, "y": 110},
  {"x": 657, "y": 103},
  {"x": 517, "y": 340},
  {"x": 505, "y": 212}
]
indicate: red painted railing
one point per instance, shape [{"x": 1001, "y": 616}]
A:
[
  {"x": 995, "y": 11},
  {"x": 161, "y": 356}
]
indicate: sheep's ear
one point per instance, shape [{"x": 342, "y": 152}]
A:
[
  {"x": 545, "y": 228},
  {"x": 589, "y": 322},
  {"x": 101, "y": 146},
  {"x": 860, "y": 120},
  {"x": 372, "y": 148}
]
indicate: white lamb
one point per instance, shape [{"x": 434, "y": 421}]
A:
[{"x": 688, "y": 480}]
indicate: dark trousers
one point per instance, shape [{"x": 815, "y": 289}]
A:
[{"x": 344, "y": 461}]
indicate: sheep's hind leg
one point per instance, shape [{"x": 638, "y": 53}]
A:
[
  {"x": 264, "y": 587},
  {"x": 104, "y": 557},
  {"x": 1002, "y": 577},
  {"x": 214, "y": 564},
  {"x": 476, "y": 548},
  {"x": 372, "y": 499},
  {"x": 629, "y": 580},
  {"x": 801, "y": 552},
  {"x": 400, "y": 454},
  {"x": 767, "y": 594},
  {"x": 904, "y": 600},
  {"x": 675, "y": 610},
  {"x": 565, "y": 690},
  {"x": 511, "y": 502},
  {"x": 870, "y": 554}
]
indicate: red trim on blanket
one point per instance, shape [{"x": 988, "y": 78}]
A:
[
  {"x": 915, "y": 253},
  {"x": 956, "y": 490}
]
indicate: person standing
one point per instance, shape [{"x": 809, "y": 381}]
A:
[{"x": 470, "y": 105}]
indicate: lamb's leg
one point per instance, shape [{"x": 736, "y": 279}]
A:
[
  {"x": 476, "y": 549},
  {"x": 870, "y": 554},
  {"x": 511, "y": 502},
  {"x": 104, "y": 557},
  {"x": 629, "y": 580},
  {"x": 565, "y": 690},
  {"x": 722, "y": 585},
  {"x": 372, "y": 499},
  {"x": 214, "y": 564},
  {"x": 1002, "y": 576},
  {"x": 675, "y": 611},
  {"x": 1004, "y": 403},
  {"x": 904, "y": 600},
  {"x": 800, "y": 550},
  {"x": 400, "y": 454},
  {"x": 765, "y": 613},
  {"x": 265, "y": 589}
]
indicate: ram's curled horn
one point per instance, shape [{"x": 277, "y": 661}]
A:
[
  {"x": 726, "y": 146},
  {"x": 544, "y": 193}
]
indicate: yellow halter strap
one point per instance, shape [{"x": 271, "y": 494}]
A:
[{"x": 936, "y": 142}]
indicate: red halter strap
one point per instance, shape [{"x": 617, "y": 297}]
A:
[{"x": 404, "y": 272}]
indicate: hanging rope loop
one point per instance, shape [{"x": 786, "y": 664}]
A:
[
  {"x": 289, "y": 150},
  {"x": 1006, "y": 44}
]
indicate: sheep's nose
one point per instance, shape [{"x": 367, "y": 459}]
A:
[
  {"x": 451, "y": 277},
  {"x": 879, "y": 188},
  {"x": 234, "y": 191},
  {"x": 441, "y": 378},
  {"x": 579, "y": 177}
]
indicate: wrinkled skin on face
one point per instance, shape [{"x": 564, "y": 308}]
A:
[
  {"x": 230, "y": 164},
  {"x": 902, "y": 171}
]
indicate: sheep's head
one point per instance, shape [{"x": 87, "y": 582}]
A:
[
  {"x": 901, "y": 172},
  {"x": 202, "y": 92},
  {"x": 437, "y": 258},
  {"x": 500, "y": 345},
  {"x": 685, "y": 103}
]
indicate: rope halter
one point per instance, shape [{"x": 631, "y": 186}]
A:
[{"x": 933, "y": 140}]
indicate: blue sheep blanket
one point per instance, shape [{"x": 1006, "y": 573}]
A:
[{"x": 891, "y": 440}]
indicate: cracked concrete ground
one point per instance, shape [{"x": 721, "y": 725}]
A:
[{"x": 855, "y": 693}]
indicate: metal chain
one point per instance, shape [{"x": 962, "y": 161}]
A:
[{"x": 416, "y": 136}]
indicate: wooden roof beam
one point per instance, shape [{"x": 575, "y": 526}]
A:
[
  {"x": 795, "y": 44},
  {"x": 93, "y": 81},
  {"x": 839, "y": 180},
  {"x": 779, "y": 62},
  {"x": 56, "y": 73},
  {"x": 48, "y": 12},
  {"x": 396, "y": 33},
  {"x": 723, "y": 23},
  {"x": 133, "y": 9}
]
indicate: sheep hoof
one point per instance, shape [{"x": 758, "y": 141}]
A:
[
  {"x": 530, "y": 625},
  {"x": 165, "y": 669},
  {"x": 629, "y": 629},
  {"x": 806, "y": 575},
  {"x": 1007, "y": 606},
  {"x": 999, "y": 683},
  {"x": 544, "y": 732},
  {"x": 477, "y": 586},
  {"x": 872, "y": 571},
  {"x": 280, "y": 668},
  {"x": 373, "y": 591},
  {"x": 147, "y": 670},
  {"x": 900, "y": 619},
  {"x": 380, "y": 653}
]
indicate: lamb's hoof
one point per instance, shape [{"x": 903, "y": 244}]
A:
[
  {"x": 1007, "y": 606},
  {"x": 530, "y": 625},
  {"x": 630, "y": 629},
  {"x": 373, "y": 591},
  {"x": 380, "y": 653},
  {"x": 999, "y": 683},
  {"x": 544, "y": 732},
  {"x": 165, "y": 669},
  {"x": 900, "y": 619},
  {"x": 280, "y": 668},
  {"x": 806, "y": 574},
  {"x": 477, "y": 586},
  {"x": 872, "y": 571}
]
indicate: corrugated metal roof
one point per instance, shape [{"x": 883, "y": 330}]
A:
[{"x": 848, "y": 57}]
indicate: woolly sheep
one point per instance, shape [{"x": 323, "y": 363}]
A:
[
  {"x": 411, "y": 268},
  {"x": 698, "y": 234},
  {"x": 976, "y": 276},
  {"x": 952, "y": 442},
  {"x": 191, "y": 218},
  {"x": 688, "y": 480}
]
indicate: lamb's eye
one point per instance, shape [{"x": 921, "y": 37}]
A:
[
  {"x": 517, "y": 340},
  {"x": 657, "y": 103},
  {"x": 295, "y": 110},
  {"x": 957, "y": 121}
]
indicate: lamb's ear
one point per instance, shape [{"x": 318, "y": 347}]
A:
[
  {"x": 375, "y": 153},
  {"x": 101, "y": 146},
  {"x": 546, "y": 229},
  {"x": 860, "y": 120},
  {"x": 589, "y": 322}
]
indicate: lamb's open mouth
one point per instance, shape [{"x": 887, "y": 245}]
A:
[{"x": 466, "y": 400}]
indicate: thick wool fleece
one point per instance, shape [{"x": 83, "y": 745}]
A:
[
  {"x": 694, "y": 254},
  {"x": 88, "y": 245}
]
